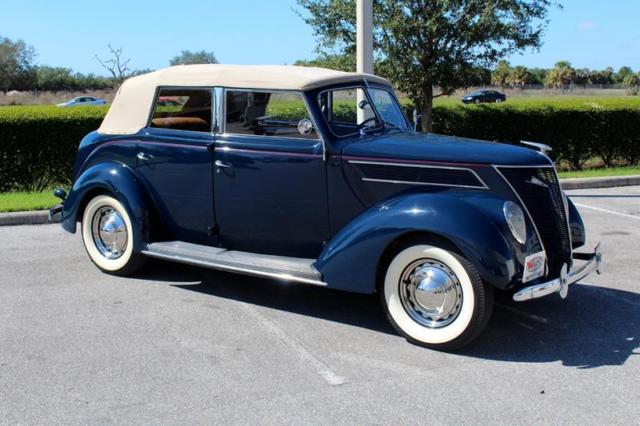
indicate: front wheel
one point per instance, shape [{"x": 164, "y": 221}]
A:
[
  {"x": 108, "y": 237},
  {"x": 435, "y": 298}
]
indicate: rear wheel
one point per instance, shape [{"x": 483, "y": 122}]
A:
[
  {"x": 108, "y": 237},
  {"x": 435, "y": 298}
]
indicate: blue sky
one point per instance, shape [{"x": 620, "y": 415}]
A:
[{"x": 589, "y": 33}]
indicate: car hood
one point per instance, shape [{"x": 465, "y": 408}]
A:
[{"x": 431, "y": 147}]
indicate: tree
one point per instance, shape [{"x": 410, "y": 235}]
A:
[
  {"x": 606, "y": 76},
  {"x": 538, "y": 75},
  {"x": 17, "y": 71},
  {"x": 519, "y": 76},
  {"x": 622, "y": 74},
  {"x": 500, "y": 74},
  {"x": 59, "y": 78},
  {"x": 632, "y": 84},
  {"x": 561, "y": 74},
  {"x": 583, "y": 76},
  {"x": 116, "y": 65},
  {"x": 341, "y": 62},
  {"x": 187, "y": 57},
  {"x": 426, "y": 43},
  {"x": 54, "y": 78}
]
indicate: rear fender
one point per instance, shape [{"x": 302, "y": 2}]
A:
[
  {"x": 115, "y": 178},
  {"x": 470, "y": 221}
]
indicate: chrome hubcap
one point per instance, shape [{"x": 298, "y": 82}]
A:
[
  {"x": 109, "y": 232},
  {"x": 430, "y": 293}
]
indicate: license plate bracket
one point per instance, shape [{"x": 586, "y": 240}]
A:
[{"x": 535, "y": 266}]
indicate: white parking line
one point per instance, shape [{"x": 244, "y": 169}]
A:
[
  {"x": 630, "y": 216},
  {"x": 321, "y": 368}
]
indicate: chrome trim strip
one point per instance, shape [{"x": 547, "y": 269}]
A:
[
  {"x": 559, "y": 285},
  {"x": 535, "y": 227},
  {"x": 533, "y": 166},
  {"x": 482, "y": 185},
  {"x": 408, "y": 182},
  {"x": 232, "y": 268}
]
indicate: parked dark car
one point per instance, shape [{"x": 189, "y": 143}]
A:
[
  {"x": 315, "y": 176},
  {"x": 484, "y": 96}
]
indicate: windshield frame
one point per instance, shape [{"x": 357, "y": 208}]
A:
[{"x": 365, "y": 87}]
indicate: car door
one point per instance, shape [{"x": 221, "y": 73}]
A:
[
  {"x": 269, "y": 177},
  {"x": 174, "y": 163}
]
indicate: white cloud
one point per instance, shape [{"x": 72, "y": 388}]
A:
[{"x": 586, "y": 25}]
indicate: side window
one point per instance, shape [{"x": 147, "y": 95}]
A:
[
  {"x": 183, "y": 109},
  {"x": 276, "y": 113},
  {"x": 346, "y": 110}
]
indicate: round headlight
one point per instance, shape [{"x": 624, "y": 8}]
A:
[{"x": 514, "y": 216}]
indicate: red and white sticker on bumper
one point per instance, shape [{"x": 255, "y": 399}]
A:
[{"x": 534, "y": 266}]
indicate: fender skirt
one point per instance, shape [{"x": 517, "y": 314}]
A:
[{"x": 471, "y": 221}]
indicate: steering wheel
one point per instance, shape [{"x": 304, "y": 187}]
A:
[{"x": 362, "y": 125}]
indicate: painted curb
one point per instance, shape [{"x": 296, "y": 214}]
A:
[
  {"x": 38, "y": 217},
  {"x": 41, "y": 217},
  {"x": 602, "y": 182}
]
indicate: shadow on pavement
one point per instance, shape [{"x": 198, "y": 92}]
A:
[{"x": 594, "y": 327}]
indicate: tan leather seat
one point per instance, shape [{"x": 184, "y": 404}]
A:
[{"x": 193, "y": 124}]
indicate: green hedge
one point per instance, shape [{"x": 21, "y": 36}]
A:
[
  {"x": 38, "y": 144},
  {"x": 576, "y": 130}
]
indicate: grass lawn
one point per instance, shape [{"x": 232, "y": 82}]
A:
[
  {"x": 613, "y": 171},
  {"x": 23, "y": 201}
]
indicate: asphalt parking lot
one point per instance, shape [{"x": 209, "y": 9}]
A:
[{"x": 178, "y": 344}]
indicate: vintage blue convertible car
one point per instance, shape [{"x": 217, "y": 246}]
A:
[{"x": 315, "y": 176}]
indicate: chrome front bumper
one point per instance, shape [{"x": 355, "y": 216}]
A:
[{"x": 561, "y": 284}]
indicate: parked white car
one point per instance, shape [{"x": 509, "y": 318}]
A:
[{"x": 82, "y": 101}]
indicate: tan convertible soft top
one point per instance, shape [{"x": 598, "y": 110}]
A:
[{"x": 131, "y": 107}]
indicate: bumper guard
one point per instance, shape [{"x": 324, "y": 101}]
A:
[
  {"x": 593, "y": 261},
  {"x": 55, "y": 213}
]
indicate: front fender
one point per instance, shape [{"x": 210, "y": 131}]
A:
[
  {"x": 468, "y": 220},
  {"x": 578, "y": 233},
  {"x": 117, "y": 179}
]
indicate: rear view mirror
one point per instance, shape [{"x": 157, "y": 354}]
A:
[{"x": 305, "y": 126}]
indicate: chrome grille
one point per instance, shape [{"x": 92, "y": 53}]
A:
[{"x": 540, "y": 191}]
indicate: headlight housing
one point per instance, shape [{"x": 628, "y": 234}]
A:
[{"x": 514, "y": 216}]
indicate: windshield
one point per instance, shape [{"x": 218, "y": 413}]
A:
[
  {"x": 349, "y": 111},
  {"x": 388, "y": 109}
]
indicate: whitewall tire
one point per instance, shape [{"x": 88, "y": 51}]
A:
[
  {"x": 434, "y": 297},
  {"x": 108, "y": 237}
]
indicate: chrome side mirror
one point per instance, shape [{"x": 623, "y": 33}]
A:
[
  {"x": 305, "y": 126},
  {"x": 416, "y": 118}
]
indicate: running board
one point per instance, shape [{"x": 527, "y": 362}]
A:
[{"x": 261, "y": 265}]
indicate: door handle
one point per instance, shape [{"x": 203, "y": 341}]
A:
[
  {"x": 144, "y": 157},
  {"x": 222, "y": 164}
]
